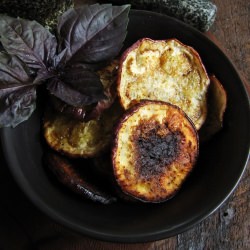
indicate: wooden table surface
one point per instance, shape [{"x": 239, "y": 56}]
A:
[{"x": 23, "y": 226}]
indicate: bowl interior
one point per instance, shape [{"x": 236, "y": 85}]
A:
[{"x": 219, "y": 168}]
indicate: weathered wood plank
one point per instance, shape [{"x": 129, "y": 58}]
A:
[{"x": 228, "y": 228}]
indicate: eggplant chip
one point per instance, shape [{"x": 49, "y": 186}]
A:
[
  {"x": 155, "y": 149},
  {"x": 80, "y": 139},
  {"x": 164, "y": 70}
]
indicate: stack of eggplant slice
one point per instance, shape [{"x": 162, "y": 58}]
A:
[{"x": 145, "y": 142}]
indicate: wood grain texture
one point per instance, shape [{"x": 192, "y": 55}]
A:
[
  {"x": 228, "y": 228},
  {"x": 23, "y": 226},
  {"x": 232, "y": 30}
]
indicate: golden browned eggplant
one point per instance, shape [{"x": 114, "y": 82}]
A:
[
  {"x": 217, "y": 102},
  {"x": 67, "y": 172},
  {"x": 80, "y": 139},
  {"x": 164, "y": 70},
  {"x": 155, "y": 149}
]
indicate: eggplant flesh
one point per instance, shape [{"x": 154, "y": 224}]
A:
[
  {"x": 156, "y": 147},
  {"x": 80, "y": 139},
  {"x": 164, "y": 70}
]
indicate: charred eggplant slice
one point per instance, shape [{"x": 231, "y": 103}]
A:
[
  {"x": 155, "y": 148},
  {"x": 67, "y": 172}
]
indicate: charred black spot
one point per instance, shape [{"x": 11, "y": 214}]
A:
[{"x": 156, "y": 151}]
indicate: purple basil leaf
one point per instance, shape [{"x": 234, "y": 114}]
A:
[
  {"x": 66, "y": 93},
  {"x": 59, "y": 63},
  {"x": 85, "y": 81},
  {"x": 28, "y": 40},
  {"x": 60, "y": 59},
  {"x": 93, "y": 33},
  {"x": 17, "y": 91},
  {"x": 73, "y": 92},
  {"x": 13, "y": 72},
  {"x": 43, "y": 74},
  {"x": 16, "y": 105}
]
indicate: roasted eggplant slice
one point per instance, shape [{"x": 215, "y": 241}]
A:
[
  {"x": 155, "y": 149},
  {"x": 164, "y": 70},
  {"x": 80, "y": 139},
  {"x": 217, "y": 102},
  {"x": 67, "y": 172}
]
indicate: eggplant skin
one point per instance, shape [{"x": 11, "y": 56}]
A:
[
  {"x": 217, "y": 103},
  {"x": 103, "y": 166},
  {"x": 155, "y": 148},
  {"x": 66, "y": 173}
]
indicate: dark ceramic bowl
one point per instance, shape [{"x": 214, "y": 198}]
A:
[{"x": 219, "y": 169}]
